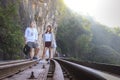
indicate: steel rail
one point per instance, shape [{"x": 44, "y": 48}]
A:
[
  {"x": 13, "y": 68},
  {"x": 79, "y": 71},
  {"x": 13, "y": 62},
  {"x": 58, "y": 74},
  {"x": 113, "y": 69}
]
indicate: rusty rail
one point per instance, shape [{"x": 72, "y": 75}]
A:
[
  {"x": 79, "y": 71},
  {"x": 13, "y": 62},
  {"x": 10, "y": 68},
  {"x": 58, "y": 74},
  {"x": 113, "y": 69},
  {"x": 59, "y": 70}
]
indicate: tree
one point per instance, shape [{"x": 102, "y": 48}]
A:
[
  {"x": 73, "y": 35},
  {"x": 11, "y": 37}
]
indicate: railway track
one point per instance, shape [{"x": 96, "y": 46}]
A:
[
  {"x": 8, "y": 69},
  {"x": 13, "y": 62},
  {"x": 91, "y": 71},
  {"x": 112, "y": 69},
  {"x": 58, "y": 72},
  {"x": 58, "y": 69}
]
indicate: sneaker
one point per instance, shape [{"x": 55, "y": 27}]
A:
[
  {"x": 42, "y": 61},
  {"x": 48, "y": 62},
  {"x": 35, "y": 58}
]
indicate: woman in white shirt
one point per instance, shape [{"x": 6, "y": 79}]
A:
[{"x": 47, "y": 38}]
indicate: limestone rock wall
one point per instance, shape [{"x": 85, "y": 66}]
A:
[{"x": 42, "y": 11}]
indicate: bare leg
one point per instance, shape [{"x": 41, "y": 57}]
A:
[
  {"x": 31, "y": 54},
  {"x": 49, "y": 52},
  {"x": 54, "y": 52},
  {"x": 36, "y": 51},
  {"x": 44, "y": 51}
]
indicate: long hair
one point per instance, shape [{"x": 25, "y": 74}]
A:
[{"x": 49, "y": 30}]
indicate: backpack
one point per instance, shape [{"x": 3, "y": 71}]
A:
[{"x": 26, "y": 49}]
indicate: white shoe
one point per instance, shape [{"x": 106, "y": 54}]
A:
[
  {"x": 42, "y": 61},
  {"x": 48, "y": 62}
]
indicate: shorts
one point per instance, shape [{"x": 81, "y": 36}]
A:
[
  {"x": 32, "y": 44},
  {"x": 47, "y": 44}
]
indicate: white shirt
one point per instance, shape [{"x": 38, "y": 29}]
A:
[
  {"x": 31, "y": 34},
  {"x": 47, "y": 37}
]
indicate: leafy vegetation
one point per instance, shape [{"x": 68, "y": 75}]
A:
[
  {"x": 74, "y": 35},
  {"x": 84, "y": 39},
  {"x": 78, "y": 37},
  {"x": 11, "y": 37}
]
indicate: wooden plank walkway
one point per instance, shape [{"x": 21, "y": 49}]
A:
[{"x": 40, "y": 73}]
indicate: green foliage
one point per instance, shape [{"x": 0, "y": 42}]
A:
[
  {"x": 101, "y": 36},
  {"x": 11, "y": 36},
  {"x": 105, "y": 54},
  {"x": 82, "y": 42},
  {"x": 73, "y": 35},
  {"x": 84, "y": 39},
  {"x": 116, "y": 30}
]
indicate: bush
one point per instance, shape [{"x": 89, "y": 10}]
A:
[{"x": 11, "y": 36}]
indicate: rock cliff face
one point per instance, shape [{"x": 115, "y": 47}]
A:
[{"x": 42, "y": 11}]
